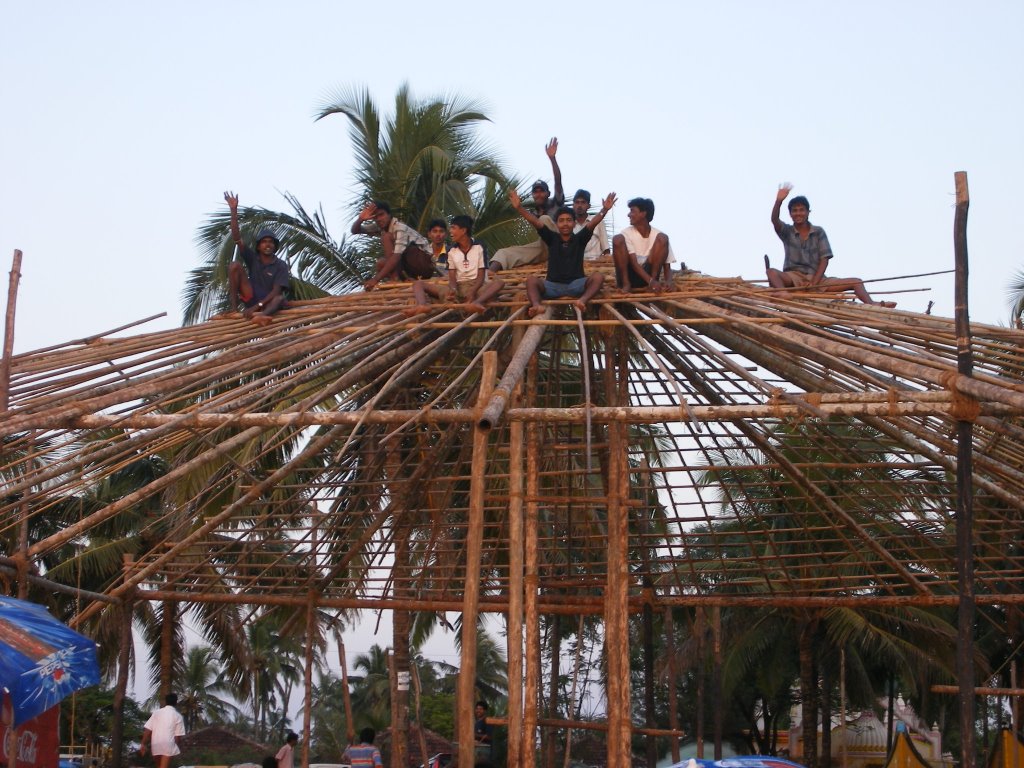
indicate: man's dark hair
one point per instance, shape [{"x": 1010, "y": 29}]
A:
[
  {"x": 437, "y": 223},
  {"x": 799, "y": 200},
  {"x": 367, "y": 735},
  {"x": 644, "y": 204},
  {"x": 563, "y": 209},
  {"x": 171, "y": 699},
  {"x": 382, "y": 206},
  {"x": 292, "y": 736},
  {"x": 466, "y": 222},
  {"x": 483, "y": 704}
]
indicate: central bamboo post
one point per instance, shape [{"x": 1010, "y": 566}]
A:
[
  {"x": 515, "y": 589},
  {"x": 531, "y": 695},
  {"x": 617, "y": 588},
  {"x": 307, "y": 677},
  {"x": 471, "y": 593}
]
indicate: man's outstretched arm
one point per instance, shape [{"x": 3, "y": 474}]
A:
[
  {"x": 552, "y": 149},
  {"x": 784, "y": 189},
  {"x": 236, "y": 233}
]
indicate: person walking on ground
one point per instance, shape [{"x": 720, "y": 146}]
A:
[
  {"x": 286, "y": 754},
  {"x": 161, "y": 732},
  {"x": 808, "y": 253},
  {"x": 262, "y": 283}
]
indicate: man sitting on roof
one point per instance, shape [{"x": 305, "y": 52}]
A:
[
  {"x": 262, "y": 284},
  {"x": 642, "y": 254},
  {"x": 808, "y": 253},
  {"x": 406, "y": 251}
]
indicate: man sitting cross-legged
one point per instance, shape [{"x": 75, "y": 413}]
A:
[
  {"x": 565, "y": 257},
  {"x": 467, "y": 273}
]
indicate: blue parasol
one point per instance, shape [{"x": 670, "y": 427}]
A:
[{"x": 41, "y": 660}]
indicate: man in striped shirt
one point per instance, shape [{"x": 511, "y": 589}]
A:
[{"x": 364, "y": 754}]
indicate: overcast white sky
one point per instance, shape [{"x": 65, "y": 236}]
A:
[{"x": 123, "y": 123}]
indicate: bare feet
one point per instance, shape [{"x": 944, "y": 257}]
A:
[
  {"x": 475, "y": 307},
  {"x": 262, "y": 320},
  {"x": 417, "y": 309},
  {"x": 886, "y": 304},
  {"x": 534, "y": 310},
  {"x": 580, "y": 305},
  {"x": 370, "y": 284}
]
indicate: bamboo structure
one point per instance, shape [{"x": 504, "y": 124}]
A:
[{"x": 512, "y": 458}]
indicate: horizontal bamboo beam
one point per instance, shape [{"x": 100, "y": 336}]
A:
[
  {"x": 979, "y": 691},
  {"x": 601, "y": 414}
]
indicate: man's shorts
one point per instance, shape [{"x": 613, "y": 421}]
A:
[
  {"x": 462, "y": 290},
  {"x": 561, "y": 290},
  {"x": 635, "y": 281},
  {"x": 830, "y": 284}
]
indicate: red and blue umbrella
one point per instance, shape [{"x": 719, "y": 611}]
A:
[{"x": 42, "y": 661}]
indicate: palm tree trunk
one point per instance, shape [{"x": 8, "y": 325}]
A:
[
  {"x": 121, "y": 688},
  {"x": 808, "y": 693}
]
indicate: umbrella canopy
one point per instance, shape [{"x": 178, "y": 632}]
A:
[{"x": 41, "y": 660}]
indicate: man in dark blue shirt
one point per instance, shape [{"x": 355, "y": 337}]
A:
[
  {"x": 565, "y": 257},
  {"x": 263, "y": 283}
]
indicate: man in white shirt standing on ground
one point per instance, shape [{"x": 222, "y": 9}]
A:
[{"x": 161, "y": 732}]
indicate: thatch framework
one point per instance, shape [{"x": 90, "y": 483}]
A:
[{"x": 716, "y": 444}]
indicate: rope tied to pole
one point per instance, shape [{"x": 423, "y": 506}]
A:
[{"x": 962, "y": 407}]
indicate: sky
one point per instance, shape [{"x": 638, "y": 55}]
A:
[{"x": 124, "y": 122}]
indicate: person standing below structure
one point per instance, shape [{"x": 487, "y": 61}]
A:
[
  {"x": 286, "y": 754},
  {"x": 598, "y": 244},
  {"x": 363, "y": 754},
  {"x": 161, "y": 732},
  {"x": 641, "y": 252},
  {"x": 544, "y": 206},
  {"x": 262, "y": 284},
  {"x": 483, "y": 735},
  {"x": 467, "y": 273},
  {"x": 406, "y": 251},
  {"x": 807, "y": 253},
  {"x": 565, "y": 275}
]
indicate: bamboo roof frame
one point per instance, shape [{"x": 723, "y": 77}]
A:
[{"x": 717, "y": 367}]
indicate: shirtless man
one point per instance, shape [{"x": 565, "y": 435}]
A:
[{"x": 808, "y": 253}]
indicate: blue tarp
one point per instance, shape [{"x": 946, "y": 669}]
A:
[
  {"x": 743, "y": 761},
  {"x": 41, "y": 660}
]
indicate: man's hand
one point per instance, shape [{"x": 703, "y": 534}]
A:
[
  {"x": 608, "y": 202},
  {"x": 552, "y": 148},
  {"x": 784, "y": 189},
  {"x": 142, "y": 750},
  {"x": 367, "y": 213},
  {"x": 515, "y": 199},
  {"x": 248, "y": 312},
  {"x": 232, "y": 200}
]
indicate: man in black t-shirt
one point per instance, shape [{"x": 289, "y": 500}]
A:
[{"x": 565, "y": 257}]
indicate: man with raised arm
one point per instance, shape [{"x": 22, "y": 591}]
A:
[
  {"x": 565, "y": 275},
  {"x": 406, "y": 251},
  {"x": 467, "y": 273},
  {"x": 262, "y": 284},
  {"x": 641, "y": 252},
  {"x": 807, "y": 253},
  {"x": 544, "y": 205},
  {"x": 598, "y": 245}
]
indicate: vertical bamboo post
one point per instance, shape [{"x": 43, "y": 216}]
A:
[
  {"x": 471, "y": 592},
  {"x": 346, "y": 696},
  {"x": 617, "y": 587},
  {"x": 965, "y": 495},
  {"x": 514, "y": 651},
  {"x": 12, "y": 302},
  {"x": 843, "y": 761},
  {"x": 673, "y": 672},
  {"x": 124, "y": 656},
  {"x": 698, "y": 632},
  {"x": 307, "y": 675},
  {"x": 716, "y": 678},
  {"x": 528, "y": 752},
  {"x": 400, "y": 645}
]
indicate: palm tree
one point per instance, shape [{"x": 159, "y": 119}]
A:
[
  {"x": 1016, "y": 293},
  {"x": 200, "y": 686},
  {"x": 426, "y": 159}
]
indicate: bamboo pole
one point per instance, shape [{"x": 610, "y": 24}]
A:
[
  {"x": 307, "y": 679},
  {"x": 617, "y": 588},
  {"x": 531, "y": 694},
  {"x": 965, "y": 491},
  {"x": 515, "y": 590},
  {"x": 346, "y": 696},
  {"x": 471, "y": 590},
  {"x": 12, "y": 303},
  {"x": 513, "y": 372}
]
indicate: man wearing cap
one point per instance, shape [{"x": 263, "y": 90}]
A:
[
  {"x": 262, "y": 284},
  {"x": 597, "y": 246},
  {"x": 544, "y": 205}
]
